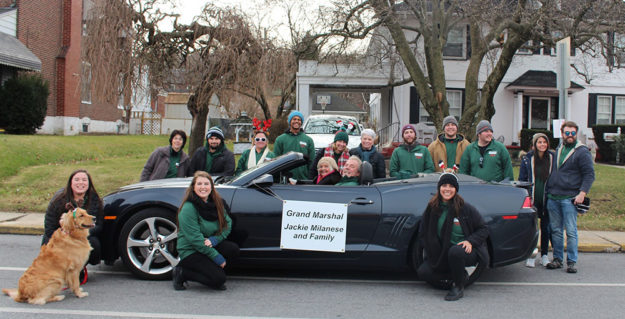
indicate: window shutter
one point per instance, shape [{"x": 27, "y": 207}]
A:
[
  {"x": 414, "y": 105},
  {"x": 592, "y": 109}
]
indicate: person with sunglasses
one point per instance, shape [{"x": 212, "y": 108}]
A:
[
  {"x": 486, "y": 158},
  {"x": 567, "y": 186},
  {"x": 258, "y": 153}
]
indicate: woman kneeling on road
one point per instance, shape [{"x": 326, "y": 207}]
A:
[
  {"x": 203, "y": 225},
  {"x": 453, "y": 235}
]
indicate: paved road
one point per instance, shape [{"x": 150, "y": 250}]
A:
[{"x": 513, "y": 292}]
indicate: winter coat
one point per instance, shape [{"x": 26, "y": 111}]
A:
[
  {"x": 577, "y": 172},
  {"x": 330, "y": 179},
  {"x": 193, "y": 229},
  {"x": 223, "y": 164},
  {"x": 56, "y": 208},
  {"x": 496, "y": 163},
  {"x": 312, "y": 173},
  {"x": 242, "y": 165},
  {"x": 158, "y": 164},
  {"x": 376, "y": 159},
  {"x": 299, "y": 142},
  {"x": 473, "y": 227},
  {"x": 348, "y": 181},
  {"x": 526, "y": 173},
  {"x": 406, "y": 162},
  {"x": 438, "y": 151}
]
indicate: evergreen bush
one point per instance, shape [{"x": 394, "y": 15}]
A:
[{"x": 23, "y": 104}]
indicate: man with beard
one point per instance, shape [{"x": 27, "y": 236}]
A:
[
  {"x": 213, "y": 158},
  {"x": 294, "y": 139},
  {"x": 411, "y": 157},
  {"x": 447, "y": 149},
  {"x": 485, "y": 158},
  {"x": 337, "y": 150},
  {"x": 567, "y": 186}
]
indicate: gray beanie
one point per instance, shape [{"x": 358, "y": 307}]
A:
[
  {"x": 482, "y": 126},
  {"x": 450, "y": 119},
  {"x": 215, "y": 131}
]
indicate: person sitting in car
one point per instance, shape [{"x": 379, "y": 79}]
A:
[
  {"x": 351, "y": 172},
  {"x": 327, "y": 172},
  {"x": 337, "y": 150},
  {"x": 453, "y": 235},
  {"x": 256, "y": 155}
]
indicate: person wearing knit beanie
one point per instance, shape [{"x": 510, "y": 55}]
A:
[
  {"x": 482, "y": 126},
  {"x": 213, "y": 158},
  {"x": 410, "y": 158},
  {"x": 295, "y": 140},
  {"x": 448, "y": 178},
  {"x": 337, "y": 150},
  {"x": 408, "y": 127},
  {"x": 450, "y": 119},
  {"x": 341, "y": 136},
  {"x": 215, "y": 131},
  {"x": 295, "y": 113},
  {"x": 447, "y": 148},
  {"x": 486, "y": 158}
]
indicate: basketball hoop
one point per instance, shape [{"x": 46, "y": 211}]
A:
[
  {"x": 324, "y": 100},
  {"x": 323, "y": 107}
]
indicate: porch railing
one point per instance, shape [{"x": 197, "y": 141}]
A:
[{"x": 388, "y": 134}]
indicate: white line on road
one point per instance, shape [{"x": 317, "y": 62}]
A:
[
  {"x": 120, "y": 314},
  {"x": 373, "y": 281}
]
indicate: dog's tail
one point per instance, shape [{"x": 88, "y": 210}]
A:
[{"x": 13, "y": 293}]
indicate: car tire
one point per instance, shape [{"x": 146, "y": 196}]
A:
[
  {"x": 419, "y": 255},
  {"x": 147, "y": 243}
]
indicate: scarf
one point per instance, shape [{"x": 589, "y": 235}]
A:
[
  {"x": 251, "y": 159},
  {"x": 435, "y": 247},
  {"x": 329, "y": 152},
  {"x": 319, "y": 177},
  {"x": 206, "y": 210},
  {"x": 366, "y": 154}
]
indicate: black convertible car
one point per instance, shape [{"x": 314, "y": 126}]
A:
[{"x": 381, "y": 225}]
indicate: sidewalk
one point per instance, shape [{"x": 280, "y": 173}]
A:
[{"x": 589, "y": 241}]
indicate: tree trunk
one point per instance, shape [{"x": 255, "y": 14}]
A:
[{"x": 198, "y": 126}]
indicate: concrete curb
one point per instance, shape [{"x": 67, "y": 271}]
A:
[{"x": 588, "y": 241}]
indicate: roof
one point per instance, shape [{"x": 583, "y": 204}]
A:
[
  {"x": 14, "y": 53},
  {"x": 542, "y": 79}
]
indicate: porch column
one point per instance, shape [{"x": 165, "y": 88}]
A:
[
  {"x": 518, "y": 116},
  {"x": 304, "y": 99}
]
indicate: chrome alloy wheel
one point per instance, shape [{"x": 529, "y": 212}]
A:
[{"x": 151, "y": 245}]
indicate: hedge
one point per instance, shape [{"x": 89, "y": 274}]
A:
[{"x": 23, "y": 104}]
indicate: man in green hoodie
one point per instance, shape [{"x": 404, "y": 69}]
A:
[
  {"x": 294, "y": 139},
  {"x": 411, "y": 157},
  {"x": 214, "y": 157},
  {"x": 486, "y": 158}
]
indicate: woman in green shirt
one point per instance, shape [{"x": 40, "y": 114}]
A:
[
  {"x": 203, "y": 225},
  {"x": 453, "y": 235}
]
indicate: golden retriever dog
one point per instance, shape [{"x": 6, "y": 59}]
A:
[{"x": 59, "y": 262}]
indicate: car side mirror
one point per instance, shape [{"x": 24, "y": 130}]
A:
[{"x": 264, "y": 180}]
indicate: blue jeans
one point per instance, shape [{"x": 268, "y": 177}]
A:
[{"x": 563, "y": 214}]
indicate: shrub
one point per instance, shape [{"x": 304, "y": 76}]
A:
[
  {"x": 605, "y": 150},
  {"x": 527, "y": 134},
  {"x": 619, "y": 146},
  {"x": 23, "y": 104}
]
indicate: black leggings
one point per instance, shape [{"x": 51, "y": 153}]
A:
[
  {"x": 452, "y": 267},
  {"x": 201, "y": 268},
  {"x": 545, "y": 233}
]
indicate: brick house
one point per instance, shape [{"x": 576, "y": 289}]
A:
[{"x": 53, "y": 31}]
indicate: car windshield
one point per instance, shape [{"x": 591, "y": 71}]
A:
[
  {"x": 331, "y": 126},
  {"x": 246, "y": 172}
]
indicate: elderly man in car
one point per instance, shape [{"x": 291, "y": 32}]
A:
[{"x": 351, "y": 172}]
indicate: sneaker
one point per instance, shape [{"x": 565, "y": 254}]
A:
[
  {"x": 544, "y": 260},
  {"x": 530, "y": 262},
  {"x": 570, "y": 268},
  {"x": 555, "y": 264}
]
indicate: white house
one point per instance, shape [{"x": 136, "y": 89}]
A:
[{"x": 526, "y": 98}]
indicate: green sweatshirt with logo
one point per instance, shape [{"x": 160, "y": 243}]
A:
[{"x": 495, "y": 162}]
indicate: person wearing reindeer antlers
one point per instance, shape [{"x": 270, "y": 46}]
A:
[{"x": 259, "y": 152}]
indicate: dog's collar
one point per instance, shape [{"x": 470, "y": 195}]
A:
[{"x": 74, "y": 211}]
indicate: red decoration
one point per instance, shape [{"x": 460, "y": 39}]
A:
[{"x": 266, "y": 124}]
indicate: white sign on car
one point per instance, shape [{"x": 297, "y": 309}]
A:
[{"x": 313, "y": 226}]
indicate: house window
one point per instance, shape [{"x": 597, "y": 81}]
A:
[
  {"x": 454, "y": 98},
  {"x": 456, "y": 43},
  {"x": 85, "y": 83},
  {"x": 604, "y": 109},
  {"x": 619, "y": 110}
]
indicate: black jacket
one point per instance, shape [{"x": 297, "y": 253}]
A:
[
  {"x": 56, "y": 208},
  {"x": 473, "y": 226},
  {"x": 376, "y": 160},
  {"x": 223, "y": 165},
  {"x": 331, "y": 179}
]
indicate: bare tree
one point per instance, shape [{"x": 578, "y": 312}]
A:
[{"x": 418, "y": 31}]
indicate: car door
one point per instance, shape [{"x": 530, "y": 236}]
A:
[{"x": 258, "y": 214}]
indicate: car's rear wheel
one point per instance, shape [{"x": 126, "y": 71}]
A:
[
  {"x": 147, "y": 243},
  {"x": 419, "y": 256}
]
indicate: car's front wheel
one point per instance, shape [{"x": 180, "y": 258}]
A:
[
  {"x": 419, "y": 256},
  {"x": 147, "y": 243}
]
